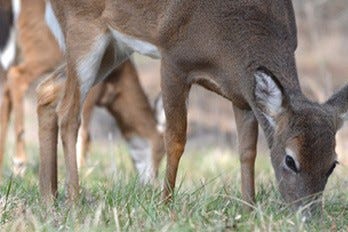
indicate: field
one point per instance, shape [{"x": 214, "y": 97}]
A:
[
  {"x": 207, "y": 196},
  {"x": 207, "y": 199}
]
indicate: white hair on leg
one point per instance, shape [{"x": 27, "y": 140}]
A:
[
  {"x": 160, "y": 115},
  {"x": 79, "y": 148}
]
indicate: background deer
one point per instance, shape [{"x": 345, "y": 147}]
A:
[
  {"x": 119, "y": 91},
  {"x": 242, "y": 50}
]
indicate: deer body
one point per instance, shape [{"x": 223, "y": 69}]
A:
[{"x": 242, "y": 50}]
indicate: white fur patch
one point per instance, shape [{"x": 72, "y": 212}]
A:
[
  {"x": 19, "y": 167},
  {"x": 79, "y": 148},
  {"x": 141, "y": 151},
  {"x": 160, "y": 115},
  {"x": 88, "y": 65},
  {"x": 54, "y": 25},
  {"x": 136, "y": 45},
  {"x": 344, "y": 116},
  {"x": 268, "y": 95},
  {"x": 8, "y": 55},
  {"x": 16, "y": 8}
]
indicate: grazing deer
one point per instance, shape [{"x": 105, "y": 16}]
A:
[
  {"x": 117, "y": 93},
  {"x": 242, "y": 50}
]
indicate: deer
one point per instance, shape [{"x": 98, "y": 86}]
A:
[
  {"x": 138, "y": 125},
  {"x": 241, "y": 50}
]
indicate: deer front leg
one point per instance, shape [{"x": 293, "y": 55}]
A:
[
  {"x": 175, "y": 92},
  {"x": 247, "y": 128},
  {"x": 83, "y": 140},
  {"x": 5, "y": 111},
  {"x": 48, "y": 96}
]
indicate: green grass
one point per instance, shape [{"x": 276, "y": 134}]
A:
[{"x": 207, "y": 198}]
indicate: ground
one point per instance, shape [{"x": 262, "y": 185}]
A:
[{"x": 207, "y": 198}]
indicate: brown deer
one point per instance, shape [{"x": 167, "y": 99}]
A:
[
  {"x": 119, "y": 91},
  {"x": 242, "y": 50}
]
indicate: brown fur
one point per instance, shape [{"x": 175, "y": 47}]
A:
[{"x": 219, "y": 45}]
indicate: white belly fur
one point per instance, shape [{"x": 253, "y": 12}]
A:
[
  {"x": 54, "y": 25},
  {"x": 136, "y": 45}
]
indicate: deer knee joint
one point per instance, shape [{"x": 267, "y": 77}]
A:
[{"x": 247, "y": 156}]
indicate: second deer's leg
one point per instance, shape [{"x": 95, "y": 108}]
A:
[
  {"x": 83, "y": 140},
  {"x": 175, "y": 93},
  {"x": 247, "y": 128},
  {"x": 5, "y": 112},
  {"x": 19, "y": 79},
  {"x": 130, "y": 107}
]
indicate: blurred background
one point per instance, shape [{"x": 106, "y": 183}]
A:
[{"x": 322, "y": 59}]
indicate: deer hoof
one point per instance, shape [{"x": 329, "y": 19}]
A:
[{"x": 19, "y": 167}]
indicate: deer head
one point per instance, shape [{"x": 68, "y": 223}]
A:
[{"x": 301, "y": 136}]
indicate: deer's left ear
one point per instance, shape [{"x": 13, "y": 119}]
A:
[
  {"x": 339, "y": 103},
  {"x": 269, "y": 97}
]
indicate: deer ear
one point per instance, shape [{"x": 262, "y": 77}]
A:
[
  {"x": 339, "y": 103},
  {"x": 269, "y": 96}
]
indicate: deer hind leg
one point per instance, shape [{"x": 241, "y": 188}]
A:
[
  {"x": 83, "y": 140},
  {"x": 48, "y": 95},
  {"x": 175, "y": 94},
  {"x": 82, "y": 73},
  {"x": 247, "y": 128},
  {"x": 5, "y": 111},
  {"x": 136, "y": 120}
]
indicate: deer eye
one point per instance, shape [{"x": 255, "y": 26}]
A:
[
  {"x": 331, "y": 169},
  {"x": 290, "y": 162}
]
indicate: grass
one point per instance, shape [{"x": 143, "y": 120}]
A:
[{"x": 207, "y": 198}]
